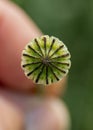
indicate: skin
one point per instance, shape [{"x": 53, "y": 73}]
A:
[{"x": 16, "y": 29}]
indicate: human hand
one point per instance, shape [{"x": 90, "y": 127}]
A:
[{"x": 18, "y": 109}]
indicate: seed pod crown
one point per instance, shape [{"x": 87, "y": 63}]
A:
[{"x": 45, "y": 60}]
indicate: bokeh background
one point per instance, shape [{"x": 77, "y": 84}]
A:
[{"x": 72, "y": 22}]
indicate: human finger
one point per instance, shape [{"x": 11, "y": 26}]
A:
[{"x": 16, "y": 30}]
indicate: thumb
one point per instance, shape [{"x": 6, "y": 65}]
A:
[{"x": 16, "y": 29}]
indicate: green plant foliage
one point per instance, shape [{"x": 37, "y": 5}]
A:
[{"x": 72, "y": 22}]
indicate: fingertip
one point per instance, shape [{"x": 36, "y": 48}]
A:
[
  {"x": 16, "y": 30},
  {"x": 51, "y": 114}
]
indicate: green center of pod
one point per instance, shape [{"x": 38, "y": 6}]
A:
[{"x": 45, "y": 60}]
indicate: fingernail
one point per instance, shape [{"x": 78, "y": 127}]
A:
[
  {"x": 39, "y": 119},
  {"x": 51, "y": 115}
]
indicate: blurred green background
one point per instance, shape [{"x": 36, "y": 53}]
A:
[{"x": 72, "y": 22}]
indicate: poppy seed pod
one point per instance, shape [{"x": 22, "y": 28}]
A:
[{"x": 45, "y": 60}]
